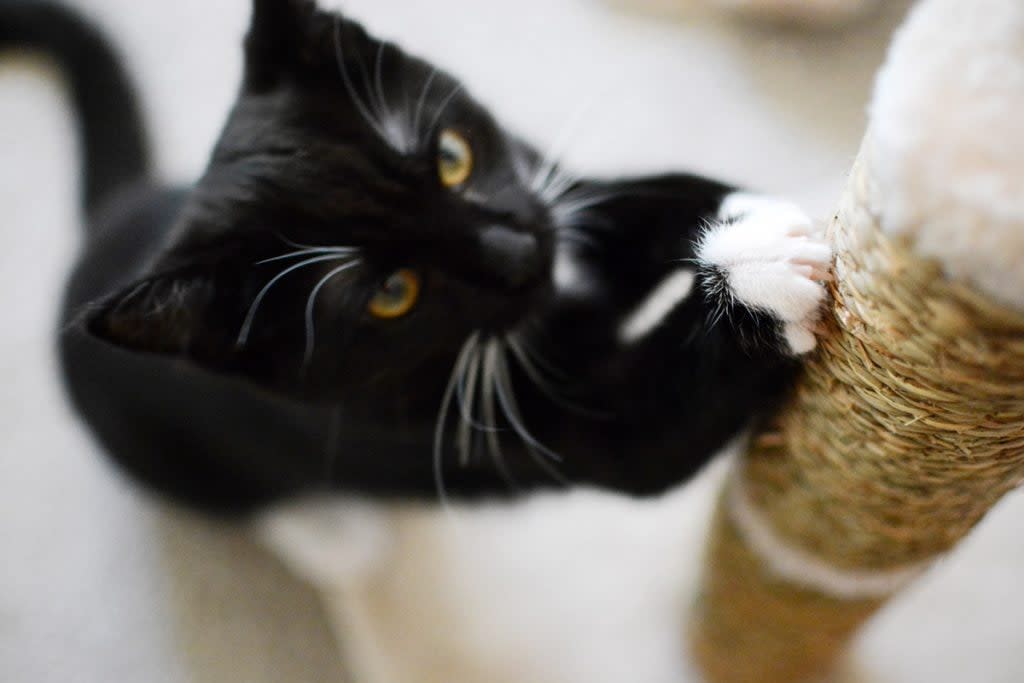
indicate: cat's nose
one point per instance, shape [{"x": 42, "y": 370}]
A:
[{"x": 513, "y": 256}]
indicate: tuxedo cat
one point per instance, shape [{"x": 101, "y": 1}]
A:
[
  {"x": 376, "y": 292},
  {"x": 374, "y": 288}
]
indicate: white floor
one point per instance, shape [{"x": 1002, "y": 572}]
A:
[{"x": 98, "y": 585}]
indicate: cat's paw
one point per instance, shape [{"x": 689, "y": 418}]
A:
[{"x": 768, "y": 255}]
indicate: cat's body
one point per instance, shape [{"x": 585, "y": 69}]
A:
[
  {"x": 214, "y": 442},
  {"x": 243, "y": 346}
]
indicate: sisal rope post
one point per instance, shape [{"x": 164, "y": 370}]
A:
[{"x": 908, "y": 425}]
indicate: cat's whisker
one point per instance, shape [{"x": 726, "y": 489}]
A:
[
  {"x": 442, "y": 108},
  {"x": 422, "y": 101},
  {"x": 532, "y": 362},
  {"x": 534, "y": 365},
  {"x": 468, "y": 379},
  {"x": 340, "y": 251},
  {"x": 492, "y": 357},
  {"x": 442, "y": 419},
  {"x": 585, "y": 220},
  {"x": 371, "y": 98},
  {"x": 539, "y": 358},
  {"x": 509, "y": 405},
  {"x": 398, "y": 133},
  {"x": 378, "y": 78},
  {"x": 561, "y": 183},
  {"x": 353, "y": 93},
  {"x": 438, "y": 454},
  {"x": 313, "y": 247},
  {"x": 575, "y": 236},
  {"x": 468, "y": 385},
  {"x": 587, "y": 194},
  {"x": 243, "y": 335},
  {"x": 552, "y": 181},
  {"x": 574, "y": 213},
  {"x": 490, "y": 415},
  {"x": 569, "y": 207},
  {"x": 575, "y": 204},
  {"x": 540, "y": 454},
  {"x": 311, "y": 306}
]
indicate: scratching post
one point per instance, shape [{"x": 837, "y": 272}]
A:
[
  {"x": 801, "y": 13},
  {"x": 908, "y": 425},
  {"x": 808, "y": 12}
]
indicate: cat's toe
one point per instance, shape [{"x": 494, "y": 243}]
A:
[{"x": 771, "y": 258}]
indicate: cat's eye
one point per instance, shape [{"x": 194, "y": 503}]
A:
[
  {"x": 454, "y": 159},
  {"x": 397, "y": 296}
]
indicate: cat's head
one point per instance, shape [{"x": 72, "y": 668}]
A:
[{"x": 360, "y": 219}]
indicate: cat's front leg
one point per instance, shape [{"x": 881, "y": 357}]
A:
[{"x": 768, "y": 256}]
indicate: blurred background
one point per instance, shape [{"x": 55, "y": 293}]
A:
[{"x": 99, "y": 584}]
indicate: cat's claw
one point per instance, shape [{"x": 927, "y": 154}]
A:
[{"x": 772, "y": 257}]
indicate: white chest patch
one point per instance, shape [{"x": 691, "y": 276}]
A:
[
  {"x": 327, "y": 540},
  {"x": 579, "y": 587},
  {"x": 653, "y": 310}
]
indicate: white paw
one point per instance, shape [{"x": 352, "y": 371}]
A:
[{"x": 773, "y": 259}]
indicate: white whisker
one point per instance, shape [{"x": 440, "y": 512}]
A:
[
  {"x": 466, "y": 390},
  {"x": 533, "y": 372},
  {"x": 552, "y": 182},
  {"x": 519, "y": 343},
  {"x": 561, "y": 182},
  {"x": 340, "y": 251},
  {"x": 575, "y": 236},
  {"x": 299, "y": 245},
  {"x": 534, "y": 365},
  {"x": 441, "y": 109},
  {"x": 378, "y": 77},
  {"x": 492, "y": 353},
  {"x": 243, "y": 335},
  {"x": 442, "y": 421},
  {"x": 468, "y": 385},
  {"x": 398, "y": 134},
  {"x": 506, "y": 398},
  {"x": 578, "y": 204},
  {"x": 311, "y": 305},
  {"x": 371, "y": 100},
  {"x": 422, "y": 101},
  {"x": 361, "y": 106}
]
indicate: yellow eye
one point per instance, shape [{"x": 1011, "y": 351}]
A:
[
  {"x": 454, "y": 159},
  {"x": 397, "y": 295}
]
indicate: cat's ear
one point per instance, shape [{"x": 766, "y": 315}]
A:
[
  {"x": 175, "y": 314},
  {"x": 287, "y": 37},
  {"x": 274, "y": 41}
]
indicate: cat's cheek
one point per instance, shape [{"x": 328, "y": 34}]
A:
[{"x": 328, "y": 542}]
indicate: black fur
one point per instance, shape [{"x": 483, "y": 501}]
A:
[
  {"x": 113, "y": 138},
  {"x": 156, "y": 364}
]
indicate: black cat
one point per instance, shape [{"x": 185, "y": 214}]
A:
[{"x": 374, "y": 288}]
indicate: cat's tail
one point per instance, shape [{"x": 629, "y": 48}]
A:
[{"x": 111, "y": 129}]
